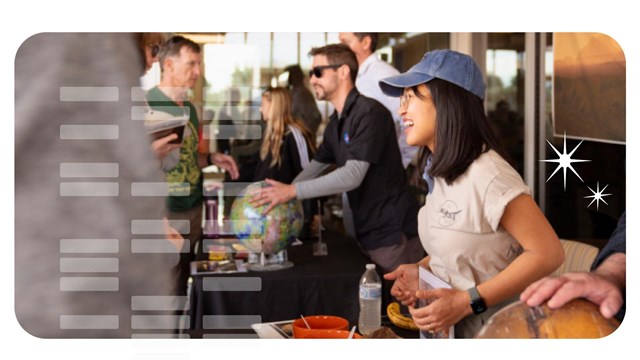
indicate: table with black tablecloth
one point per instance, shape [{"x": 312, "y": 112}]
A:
[{"x": 315, "y": 285}]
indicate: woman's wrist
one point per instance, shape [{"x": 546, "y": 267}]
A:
[{"x": 464, "y": 301}]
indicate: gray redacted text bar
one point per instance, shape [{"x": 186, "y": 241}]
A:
[
  {"x": 89, "y": 132},
  {"x": 89, "y": 265},
  {"x": 232, "y": 284},
  {"x": 89, "y": 246},
  {"x": 89, "y": 284},
  {"x": 89, "y": 93},
  {"x": 149, "y": 189},
  {"x": 89, "y": 170},
  {"x": 230, "y": 321},
  {"x": 89, "y": 189},
  {"x": 155, "y": 227},
  {"x": 159, "y": 303},
  {"x": 89, "y": 322}
]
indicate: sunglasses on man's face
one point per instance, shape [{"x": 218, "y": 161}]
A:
[{"x": 317, "y": 71}]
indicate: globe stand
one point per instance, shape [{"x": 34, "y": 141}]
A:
[{"x": 268, "y": 262}]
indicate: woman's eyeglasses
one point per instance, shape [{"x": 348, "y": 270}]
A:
[
  {"x": 317, "y": 71},
  {"x": 405, "y": 98}
]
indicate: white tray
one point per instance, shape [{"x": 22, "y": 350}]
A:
[{"x": 271, "y": 330}]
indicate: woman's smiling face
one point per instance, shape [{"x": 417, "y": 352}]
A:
[{"x": 418, "y": 113}]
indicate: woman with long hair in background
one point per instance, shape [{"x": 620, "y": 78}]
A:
[{"x": 287, "y": 144}]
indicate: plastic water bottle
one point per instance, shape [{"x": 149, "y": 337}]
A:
[
  {"x": 211, "y": 229},
  {"x": 370, "y": 301}
]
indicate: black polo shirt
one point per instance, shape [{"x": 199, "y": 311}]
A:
[{"x": 382, "y": 205}]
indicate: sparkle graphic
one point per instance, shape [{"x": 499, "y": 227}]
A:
[
  {"x": 597, "y": 196},
  {"x": 564, "y": 161}
]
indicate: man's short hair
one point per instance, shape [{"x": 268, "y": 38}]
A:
[
  {"x": 172, "y": 47},
  {"x": 372, "y": 36},
  {"x": 338, "y": 54}
]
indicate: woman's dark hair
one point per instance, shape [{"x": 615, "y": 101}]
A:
[
  {"x": 296, "y": 76},
  {"x": 463, "y": 132}
]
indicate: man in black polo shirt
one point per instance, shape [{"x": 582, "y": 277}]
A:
[{"x": 360, "y": 140}]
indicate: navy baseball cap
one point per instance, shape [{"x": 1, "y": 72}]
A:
[{"x": 448, "y": 65}]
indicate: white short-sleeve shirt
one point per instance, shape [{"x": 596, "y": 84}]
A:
[{"x": 459, "y": 225}]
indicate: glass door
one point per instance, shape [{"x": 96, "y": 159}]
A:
[{"x": 505, "y": 92}]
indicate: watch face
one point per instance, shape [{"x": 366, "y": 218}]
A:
[{"x": 478, "y": 306}]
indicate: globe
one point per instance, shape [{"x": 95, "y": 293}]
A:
[
  {"x": 578, "y": 319},
  {"x": 268, "y": 233}
]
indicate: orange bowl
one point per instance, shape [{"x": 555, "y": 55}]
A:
[
  {"x": 329, "y": 334},
  {"x": 318, "y": 322}
]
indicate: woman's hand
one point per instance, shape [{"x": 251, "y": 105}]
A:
[
  {"x": 446, "y": 308},
  {"x": 406, "y": 283}
]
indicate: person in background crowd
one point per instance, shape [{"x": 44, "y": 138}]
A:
[
  {"x": 228, "y": 118},
  {"x": 149, "y": 45},
  {"x": 287, "y": 145},
  {"x": 180, "y": 61},
  {"x": 483, "y": 231},
  {"x": 304, "y": 106},
  {"x": 371, "y": 70},
  {"x": 605, "y": 285}
]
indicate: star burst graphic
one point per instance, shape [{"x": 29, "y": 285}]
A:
[
  {"x": 597, "y": 196},
  {"x": 564, "y": 161}
]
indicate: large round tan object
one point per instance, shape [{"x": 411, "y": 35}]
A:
[{"x": 578, "y": 319}]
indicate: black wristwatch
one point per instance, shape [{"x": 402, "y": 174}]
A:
[{"x": 477, "y": 302}]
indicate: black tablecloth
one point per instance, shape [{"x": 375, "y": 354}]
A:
[{"x": 315, "y": 285}]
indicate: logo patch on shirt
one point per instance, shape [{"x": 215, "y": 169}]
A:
[
  {"x": 345, "y": 136},
  {"x": 447, "y": 213}
]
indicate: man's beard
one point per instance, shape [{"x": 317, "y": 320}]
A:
[{"x": 320, "y": 93}]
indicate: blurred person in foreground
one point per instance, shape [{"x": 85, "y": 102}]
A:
[{"x": 79, "y": 158}]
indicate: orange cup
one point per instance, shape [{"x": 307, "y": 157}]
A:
[{"x": 318, "y": 322}]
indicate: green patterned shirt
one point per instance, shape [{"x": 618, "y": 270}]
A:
[{"x": 185, "y": 180}]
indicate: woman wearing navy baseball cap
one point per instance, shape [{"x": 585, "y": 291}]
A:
[{"x": 484, "y": 233}]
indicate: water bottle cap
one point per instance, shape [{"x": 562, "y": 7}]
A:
[{"x": 371, "y": 266}]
